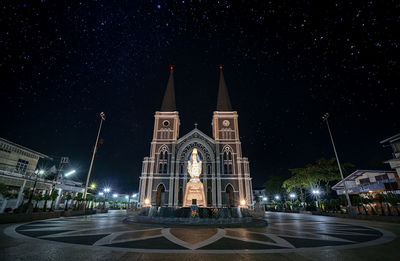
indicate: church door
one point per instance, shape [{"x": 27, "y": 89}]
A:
[
  {"x": 160, "y": 192},
  {"x": 229, "y": 196}
]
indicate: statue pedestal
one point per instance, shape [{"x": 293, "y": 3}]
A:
[{"x": 194, "y": 190}]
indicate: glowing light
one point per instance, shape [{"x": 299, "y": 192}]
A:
[
  {"x": 172, "y": 67},
  {"x": 243, "y": 202},
  {"x": 265, "y": 198},
  {"x": 134, "y": 195},
  {"x": 70, "y": 173},
  {"x": 220, "y": 67},
  {"x": 126, "y": 196},
  {"x": 277, "y": 197},
  {"x": 101, "y": 193},
  {"x": 93, "y": 186},
  {"x": 107, "y": 190},
  {"x": 292, "y": 195},
  {"x": 146, "y": 201},
  {"x": 316, "y": 192},
  {"x": 115, "y": 195}
]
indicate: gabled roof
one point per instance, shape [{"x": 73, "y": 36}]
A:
[
  {"x": 391, "y": 139},
  {"x": 223, "y": 102},
  {"x": 168, "y": 103},
  {"x": 40, "y": 155},
  {"x": 357, "y": 174},
  {"x": 195, "y": 130}
]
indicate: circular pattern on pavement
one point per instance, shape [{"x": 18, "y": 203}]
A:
[{"x": 284, "y": 233}]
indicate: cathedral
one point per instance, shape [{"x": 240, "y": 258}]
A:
[{"x": 225, "y": 173}]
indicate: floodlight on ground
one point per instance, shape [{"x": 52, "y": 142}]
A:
[
  {"x": 243, "y": 202},
  {"x": 70, "y": 173},
  {"x": 147, "y": 201}
]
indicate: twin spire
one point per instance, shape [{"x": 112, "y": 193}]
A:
[
  {"x": 168, "y": 103},
  {"x": 223, "y": 101}
]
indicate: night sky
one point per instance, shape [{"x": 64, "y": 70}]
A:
[{"x": 286, "y": 63}]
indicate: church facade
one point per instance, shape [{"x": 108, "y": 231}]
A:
[{"x": 225, "y": 172}]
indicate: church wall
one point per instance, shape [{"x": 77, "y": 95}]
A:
[{"x": 174, "y": 176}]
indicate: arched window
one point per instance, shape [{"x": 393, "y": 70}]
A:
[
  {"x": 163, "y": 160},
  {"x": 228, "y": 161}
]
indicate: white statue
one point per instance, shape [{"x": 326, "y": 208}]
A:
[{"x": 194, "y": 166}]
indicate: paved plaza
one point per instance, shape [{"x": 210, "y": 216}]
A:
[{"x": 287, "y": 237}]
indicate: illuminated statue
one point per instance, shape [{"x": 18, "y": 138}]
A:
[
  {"x": 194, "y": 166},
  {"x": 194, "y": 192}
]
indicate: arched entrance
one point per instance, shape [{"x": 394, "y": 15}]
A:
[
  {"x": 160, "y": 195},
  {"x": 230, "y": 200}
]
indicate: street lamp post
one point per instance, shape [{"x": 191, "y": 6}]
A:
[
  {"x": 325, "y": 118},
  {"x": 103, "y": 118}
]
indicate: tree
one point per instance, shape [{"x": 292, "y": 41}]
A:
[
  {"x": 5, "y": 195},
  {"x": 53, "y": 196},
  {"x": 37, "y": 197},
  {"x": 298, "y": 181},
  {"x": 356, "y": 201},
  {"x": 327, "y": 170},
  {"x": 324, "y": 171},
  {"x": 78, "y": 199},
  {"x": 393, "y": 199},
  {"x": 381, "y": 198},
  {"x": 273, "y": 185},
  {"x": 89, "y": 199},
  {"x": 67, "y": 199},
  {"x": 46, "y": 197}
]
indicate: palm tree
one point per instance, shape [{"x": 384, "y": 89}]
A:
[
  {"x": 365, "y": 201},
  {"x": 356, "y": 201},
  {"x": 67, "y": 199},
  {"x": 78, "y": 200},
  {"x": 53, "y": 196},
  {"x": 89, "y": 199},
  {"x": 5, "y": 194},
  {"x": 37, "y": 197},
  {"x": 393, "y": 199},
  {"x": 381, "y": 198},
  {"x": 46, "y": 197}
]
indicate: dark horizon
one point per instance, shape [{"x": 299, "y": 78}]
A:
[{"x": 64, "y": 65}]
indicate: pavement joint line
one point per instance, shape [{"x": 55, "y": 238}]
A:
[
  {"x": 260, "y": 242},
  {"x": 110, "y": 238},
  {"x": 130, "y": 240}
]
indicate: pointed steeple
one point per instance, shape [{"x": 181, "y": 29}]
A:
[
  {"x": 223, "y": 102},
  {"x": 168, "y": 103}
]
